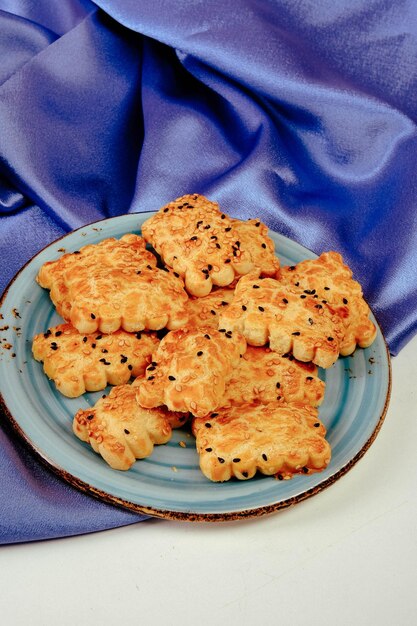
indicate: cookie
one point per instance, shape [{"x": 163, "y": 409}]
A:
[
  {"x": 190, "y": 370},
  {"x": 205, "y": 311},
  {"x": 204, "y": 246},
  {"x": 332, "y": 281},
  {"x": 114, "y": 284},
  {"x": 78, "y": 363},
  {"x": 266, "y": 311},
  {"x": 275, "y": 439},
  {"x": 264, "y": 376},
  {"x": 120, "y": 430}
]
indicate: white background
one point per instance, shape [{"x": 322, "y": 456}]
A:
[{"x": 345, "y": 556}]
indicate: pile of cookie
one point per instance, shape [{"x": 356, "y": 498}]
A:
[{"x": 204, "y": 329}]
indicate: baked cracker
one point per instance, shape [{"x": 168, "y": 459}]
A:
[
  {"x": 120, "y": 430},
  {"x": 275, "y": 439},
  {"x": 190, "y": 370},
  {"x": 205, "y": 246},
  {"x": 264, "y": 376},
  {"x": 78, "y": 363},
  {"x": 332, "y": 280},
  {"x": 114, "y": 284},
  {"x": 267, "y": 311}
]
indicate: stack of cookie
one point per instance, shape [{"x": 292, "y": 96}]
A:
[{"x": 212, "y": 331}]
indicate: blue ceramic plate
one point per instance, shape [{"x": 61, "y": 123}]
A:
[{"x": 169, "y": 484}]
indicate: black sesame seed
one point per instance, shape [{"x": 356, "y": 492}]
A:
[
  {"x": 244, "y": 308},
  {"x": 207, "y": 425},
  {"x": 212, "y": 312},
  {"x": 226, "y": 230},
  {"x": 130, "y": 367},
  {"x": 220, "y": 460},
  {"x": 297, "y": 333},
  {"x": 76, "y": 252},
  {"x": 99, "y": 337},
  {"x": 176, "y": 274},
  {"x": 280, "y": 477},
  {"x": 305, "y": 470},
  {"x": 258, "y": 224},
  {"x": 228, "y": 260},
  {"x": 222, "y": 330},
  {"x": 264, "y": 245},
  {"x": 172, "y": 378},
  {"x": 255, "y": 287},
  {"x": 327, "y": 288},
  {"x": 93, "y": 345},
  {"x": 214, "y": 415},
  {"x": 49, "y": 332},
  {"x": 218, "y": 246},
  {"x": 303, "y": 296},
  {"x": 330, "y": 339},
  {"x": 265, "y": 458},
  {"x": 223, "y": 303},
  {"x": 209, "y": 267},
  {"x": 278, "y": 385},
  {"x": 58, "y": 333},
  {"x": 84, "y": 339},
  {"x": 127, "y": 431},
  {"x": 104, "y": 351},
  {"x": 245, "y": 474},
  {"x": 138, "y": 335},
  {"x": 236, "y": 460},
  {"x": 199, "y": 353},
  {"x": 345, "y": 301},
  {"x": 316, "y": 425},
  {"x": 209, "y": 449},
  {"x": 207, "y": 336},
  {"x": 54, "y": 346},
  {"x": 150, "y": 377},
  {"x": 123, "y": 359},
  {"x": 261, "y": 309},
  {"x": 166, "y": 210},
  {"x": 222, "y": 216},
  {"x": 285, "y": 301},
  {"x": 93, "y": 317},
  {"x": 310, "y": 321},
  {"x": 213, "y": 237},
  {"x": 91, "y": 416},
  {"x": 139, "y": 272},
  {"x": 193, "y": 238},
  {"x": 309, "y": 378}
]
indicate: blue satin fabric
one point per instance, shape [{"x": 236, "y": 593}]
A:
[{"x": 303, "y": 114}]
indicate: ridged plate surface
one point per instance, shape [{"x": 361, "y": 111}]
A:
[{"x": 169, "y": 483}]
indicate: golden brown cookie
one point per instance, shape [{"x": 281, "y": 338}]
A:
[
  {"x": 114, "y": 284},
  {"x": 78, "y": 363},
  {"x": 190, "y": 370},
  {"x": 331, "y": 280},
  {"x": 264, "y": 310},
  {"x": 264, "y": 376},
  {"x": 205, "y": 311},
  {"x": 119, "y": 429},
  {"x": 275, "y": 439},
  {"x": 204, "y": 245}
]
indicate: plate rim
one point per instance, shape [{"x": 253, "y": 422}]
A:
[{"x": 173, "y": 515}]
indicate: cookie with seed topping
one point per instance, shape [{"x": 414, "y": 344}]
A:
[
  {"x": 205, "y": 246},
  {"x": 190, "y": 370},
  {"x": 78, "y": 363},
  {"x": 121, "y": 431},
  {"x": 266, "y": 311},
  {"x": 114, "y": 284},
  {"x": 332, "y": 281},
  {"x": 274, "y": 439},
  {"x": 205, "y": 311},
  {"x": 264, "y": 376}
]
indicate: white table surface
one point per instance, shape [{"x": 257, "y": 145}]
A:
[{"x": 345, "y": 556}]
